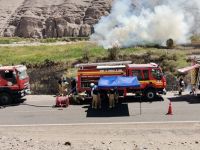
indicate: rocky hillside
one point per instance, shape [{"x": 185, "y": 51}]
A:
[
  {"x": 7, "y": 9},
  {"x": 50, "y": 18}
]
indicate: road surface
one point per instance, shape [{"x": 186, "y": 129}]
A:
[
  {"x": 36, "y": 125},
  {"x": 39, "y": 110}
]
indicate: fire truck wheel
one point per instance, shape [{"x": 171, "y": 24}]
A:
[
  {"x": 150, "y": 94},
  {"x": 5, "y": 99}
]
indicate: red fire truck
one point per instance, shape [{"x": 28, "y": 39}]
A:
[
  {"x": 150, "y": 76},
  {"x": 14, "y": 83}
]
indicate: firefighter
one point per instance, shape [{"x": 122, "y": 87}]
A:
[
  {"x": 99, "y": 99},
  {"x": 181, "y": 85},
  {"x": 62, "y": 86},
  {"x": 73, "y": 86},
  {"x": 193, "y": 90},
  {"x": 116, "y": 95},
  {"x": 194, "y": 80},
  {"x": 111, "y": 98},
  {"x": 96, "y": 102}
]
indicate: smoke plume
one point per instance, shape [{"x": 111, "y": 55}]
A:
[{"x": 141, "y": 22}]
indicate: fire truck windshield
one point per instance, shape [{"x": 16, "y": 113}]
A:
[
  {"x": 157, "y": 74},
  {"x": 22, "y": 74}
]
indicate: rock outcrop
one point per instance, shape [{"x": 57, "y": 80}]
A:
[
  {"x": 7, "y": 9},
  {"x": 55, "y": 18}
]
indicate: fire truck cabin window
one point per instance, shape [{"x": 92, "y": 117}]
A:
[
  {"x": 23, "y": 74},
  {"x": 156, "y": 74},
  {"x": 138, "y": 74},
  {"x": 8, "y": 74},
  {"x": 146, "y": 74}
]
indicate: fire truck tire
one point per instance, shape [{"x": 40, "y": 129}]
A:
[
  {"x": 150, "y": 94},
  {"x": 5, "y": 99}
]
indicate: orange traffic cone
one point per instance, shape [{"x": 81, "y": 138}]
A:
[{"x": 170, "y": 109}]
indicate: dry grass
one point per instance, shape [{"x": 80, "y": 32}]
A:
[
  {"x": 85, "y": 51},
  {"x": 38, "y": 54}
]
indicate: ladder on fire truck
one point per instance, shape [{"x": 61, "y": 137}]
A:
[{"x": 82, "y": 66}]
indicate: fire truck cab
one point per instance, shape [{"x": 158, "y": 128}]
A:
[
  {"x": 14, "y": 83},
  {"x": 150, "y": 76}
]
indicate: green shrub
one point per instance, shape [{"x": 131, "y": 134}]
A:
[
  {"x": 113, "y": 53},
  {"x": 86, "y": 56}
]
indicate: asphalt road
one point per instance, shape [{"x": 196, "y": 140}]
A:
[{"x": 39, "y": 110}]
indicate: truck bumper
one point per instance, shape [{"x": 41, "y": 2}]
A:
[
  {"x": 25, "y": 92},
  {"x": 22, "y": 93},
  {"x": 162, "y": 91}
]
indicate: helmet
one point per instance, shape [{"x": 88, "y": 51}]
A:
[{"x": 92, "y": 84}]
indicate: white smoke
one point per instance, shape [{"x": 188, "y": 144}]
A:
[{"x": 146, "y": 21}]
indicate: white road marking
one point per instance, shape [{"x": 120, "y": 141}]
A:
[
  {"x": 64, "y": 109},
  {"x": 58, "y": 109},
  {"x": 111, "y": 123},
  {"x": 27, "y": 111}
]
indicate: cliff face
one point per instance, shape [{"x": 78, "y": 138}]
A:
[
  {"x": 7, "y": 9},
  {"x": 51, "y": 18}
]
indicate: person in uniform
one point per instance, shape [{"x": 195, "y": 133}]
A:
[
  {"x": 63, "y": 86},
  {"x": 60, "y": 86},
  {"x": 111, "y": 98},
  {"x": 73, "y": 86},
  {"x": 96, "y": 103},
  {"x": 116, "y": 95},
  {"x": 181, "y": 85}
]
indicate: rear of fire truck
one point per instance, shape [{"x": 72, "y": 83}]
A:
[
  {"x": 91, "y": 73},
  {"x": 14, "y": 83}
]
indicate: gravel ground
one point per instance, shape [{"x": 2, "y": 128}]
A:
[{"x": 184, "y": 136}]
